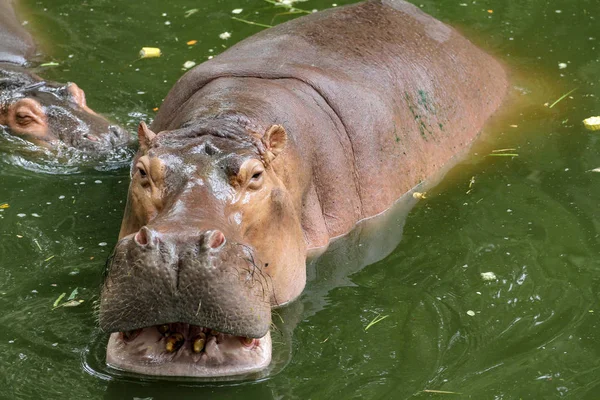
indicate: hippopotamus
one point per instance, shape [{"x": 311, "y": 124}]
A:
[
  {"x": 263, "y": 155},
  {"x": 49, "y": 114}
]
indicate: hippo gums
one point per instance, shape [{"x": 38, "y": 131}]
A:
[
  {"x": 267, "y": 152},
  {"x": 46, "y": 113}
]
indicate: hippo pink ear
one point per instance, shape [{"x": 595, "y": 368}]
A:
[
  {"x": 274, "y": 139},
  {"x": 145, "y": 136}
]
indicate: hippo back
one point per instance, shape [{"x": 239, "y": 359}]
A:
[
  {"x": 405, "y": 92},
  {"x": 16, "y": 45}
]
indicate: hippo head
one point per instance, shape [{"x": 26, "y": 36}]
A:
[
  {"x": 210, "y": 241},
  {"x": 51, "y": 114}
]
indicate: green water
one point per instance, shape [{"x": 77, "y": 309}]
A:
[{"x": 532, "y": 220}]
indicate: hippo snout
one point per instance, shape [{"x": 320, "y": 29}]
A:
[{"x": 201, "y": 278}]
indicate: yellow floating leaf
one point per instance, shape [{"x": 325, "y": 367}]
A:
[
  {"x": 192, "y": 42},
  {"x": 591, "y": 123},
  {"x": 150, "y": 52},
  {"x": 4, "y": 205}
]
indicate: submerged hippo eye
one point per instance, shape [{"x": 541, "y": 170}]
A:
[{"x": 23, "y": 119}]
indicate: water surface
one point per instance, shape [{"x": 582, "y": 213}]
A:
[{"x": 531, "y": 219}]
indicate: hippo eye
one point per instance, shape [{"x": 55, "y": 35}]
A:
[
  {"x": 256, "y": 180},
  {"x": 142, "y": 172},
  {"x": 23, "y": 119},
  {"x": 257, "y": 175}
]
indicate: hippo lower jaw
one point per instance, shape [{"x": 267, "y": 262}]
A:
[{"x": 187, "y": 350}]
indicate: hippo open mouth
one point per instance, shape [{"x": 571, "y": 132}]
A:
[{"x": 187, "y": 350}]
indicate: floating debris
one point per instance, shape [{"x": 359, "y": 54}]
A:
[
  {"x": 471, "y": 313},
  {"x": 419, "y": 195},
  {"x": 191, "y": 42},
  {"x": 188, "y": 64},
  {"x": 225, "y": 35},
  {"x": 71, "y": 300},
  {"x": 70, "y": 303},
  {"x": 237, "y": 11},
  {"x": 591, "y": 123},
  {"x": 561, "y": 98},
  {"x": 562, "y": 65},
  {"x": 50, "y": 64},
  {"x": 488, "y": 276},
  {"x": 58, "y": 300},
  {"x": 4, "y": 206},
  {"x": 150, "y": 52},
  {"x": 73, "y": 294},
  {"x": 471, "y": 183},
  {"x": 251, "y": 22},
  {"x": 190, "y": 12},
  {"x": 376, "y": 320},
  {"x": 502, "y": 153},
  {"x": 439, "y": 391}
]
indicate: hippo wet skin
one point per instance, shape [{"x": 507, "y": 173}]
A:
[
  {"x": 272, "y": 149},
  {"x": 49, "y": 114}
]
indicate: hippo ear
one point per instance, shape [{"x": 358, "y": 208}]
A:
[
  {"x": 274, "y": 139},
  {"x": 145, "y": 136}
]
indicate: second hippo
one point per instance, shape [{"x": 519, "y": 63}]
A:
[{"x": 49, "y": 114}]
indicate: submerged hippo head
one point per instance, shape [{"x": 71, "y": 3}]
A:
[
  {"x": 209, "y": 243},
  {"x": 50, "y": 114}
]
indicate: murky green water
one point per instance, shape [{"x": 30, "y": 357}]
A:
[{"x": 533, "y": 220}]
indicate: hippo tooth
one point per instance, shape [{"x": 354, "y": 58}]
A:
[
  {"x": 163, "y": 329},
  {"x": 174, "y": 342},
  {"x": 199, "y": 342}
]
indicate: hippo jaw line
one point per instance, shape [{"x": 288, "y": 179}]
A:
[{"x": 187, "y": 350}]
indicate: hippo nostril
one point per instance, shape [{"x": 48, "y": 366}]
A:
[
  {"x": 144, "y": 237},
  {"x": 214, "y": 239},
  {"x": 91, "y": 137},
  {"x": 115, "y": 131}
]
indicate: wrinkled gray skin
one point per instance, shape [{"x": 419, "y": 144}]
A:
[
  {"x": 270, "y": 150},
  {"x": 48, "y": 114}
]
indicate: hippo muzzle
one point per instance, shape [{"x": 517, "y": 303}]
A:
[{"x": 186, "y": 304}]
